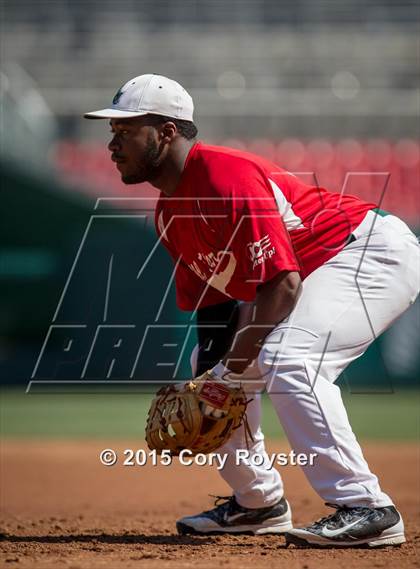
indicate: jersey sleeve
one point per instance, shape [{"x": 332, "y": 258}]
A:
[{"x": 254, "y": 236}]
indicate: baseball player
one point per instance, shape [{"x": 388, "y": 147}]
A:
[{"x": 291, "y": 283}]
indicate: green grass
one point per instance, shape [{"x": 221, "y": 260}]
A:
[{"x": 373, "y": 416}]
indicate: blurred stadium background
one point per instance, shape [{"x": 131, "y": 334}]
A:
[{"x": 325, "y": 87}]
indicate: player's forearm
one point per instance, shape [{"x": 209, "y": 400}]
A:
[
  {"x": 216, "y": 326},
  {"x": 274, "y": 302}
]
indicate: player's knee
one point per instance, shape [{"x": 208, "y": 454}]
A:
[{"x": 194, "y": 360}]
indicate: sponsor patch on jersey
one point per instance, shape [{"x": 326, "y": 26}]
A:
[
  {"x": 214, "y": 393},
  {"x": 260, "y": 251}
]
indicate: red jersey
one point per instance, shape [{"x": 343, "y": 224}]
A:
[{"x": 236, "y": 220}]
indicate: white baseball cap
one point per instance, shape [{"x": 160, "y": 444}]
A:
[{"x": 146, "y": 94}]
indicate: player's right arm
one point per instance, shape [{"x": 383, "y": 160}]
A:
[{"x": 274, "y": 301}]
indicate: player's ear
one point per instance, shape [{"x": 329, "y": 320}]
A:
[{"x": 168, "y": 131}]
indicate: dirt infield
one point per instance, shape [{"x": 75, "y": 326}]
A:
[{"x": 61, "y": 508}]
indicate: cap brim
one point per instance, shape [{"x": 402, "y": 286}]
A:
[{"x": 113, "y": 114}]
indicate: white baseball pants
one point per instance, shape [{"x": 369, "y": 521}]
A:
[{"x": 345, "y": 304}]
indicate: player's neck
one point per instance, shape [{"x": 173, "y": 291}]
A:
[{"x": 169, "y": 175}]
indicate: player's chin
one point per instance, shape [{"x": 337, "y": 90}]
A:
[
  {"x": 128, "y": 180},
  {"x": 131, "y": 179}
]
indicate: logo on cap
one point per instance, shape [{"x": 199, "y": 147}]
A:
[{"x": 118, "y": 96}]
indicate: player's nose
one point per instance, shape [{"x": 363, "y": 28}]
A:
[{"x": 113, "y": 144}]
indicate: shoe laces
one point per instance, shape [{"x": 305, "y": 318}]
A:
[
  {"x": 342, "y": 513},
  {"x": 222, "y": 502}
]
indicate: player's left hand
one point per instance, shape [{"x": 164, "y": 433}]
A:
[{"x": 199, "y": 415}]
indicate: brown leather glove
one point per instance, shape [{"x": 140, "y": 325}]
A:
[{"x": 199, "y": 415}]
